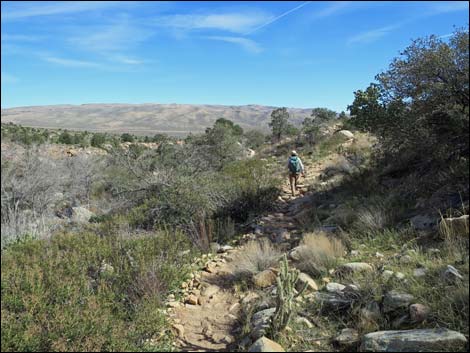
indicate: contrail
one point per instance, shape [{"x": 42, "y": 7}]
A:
[{"x": 278, "y": 17}]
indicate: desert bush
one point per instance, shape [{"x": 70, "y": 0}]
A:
[
  {"x": 317, "y": 253},
  {"x": 82, "y": 292},
  {"x": 255, "y": 257}
]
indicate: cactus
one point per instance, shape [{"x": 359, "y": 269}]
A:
[{"x": 286, "y": 294}]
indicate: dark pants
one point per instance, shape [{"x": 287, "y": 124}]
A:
[{"x": 293, "y": 179}]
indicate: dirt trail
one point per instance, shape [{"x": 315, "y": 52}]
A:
[{"x": 212, "y": 322}]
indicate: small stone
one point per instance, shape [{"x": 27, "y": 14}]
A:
[
  {"x": 173, "y": 304},
  {"x": 399, "y": 276},
  {"x": 354, "y": 267},
  {"x": 406, "y": 259},
  {"x": 192, "y": 299},
  {"x": 348, "y": 338},
  {"x": 420, "y": 272},
  {"x": 387, "y": 274},
  {"x": 379, "y": 255},
  {"x": 355, "y": 253}
]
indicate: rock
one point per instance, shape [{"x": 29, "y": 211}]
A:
[
  {"x": 394, "y": 300},
  {"x": 400, "y": 276},
  {"x": 264, "y": 279},
  {"x": 260, "y": 322},
  {"x": 347, "y": 339},
  {"x": 225, "y": 248},
  {"x": 334, "y": 287},
  {"x": 294, "y": 254},
  {"x": 214, "y": 247},
  {"x": 264, "y": 344},
  {"x": 303, "y": 321},
  {"x": 80, "y": 215},
  {"x": 405, "y": 259},
  {"x": 355, "y": 253},
  {"x": 173, "y": 304},
  {"x": 179, "y": 329},
  {"x": 423, "y": 222},
  {"x": 306, "y": 279},
  {"x": 281, "y": 235},
  {"x": 353, "y": 267},
  {"x": 420, "y": 272},
  {"x": 387, "y": 274},
  {"x": 451, "y": 275},
  {"x": 379, "y": 255},
  {"x": 427, "y": 340},
  {"x": 209, "y": 291},
  {"x": 192, "y": 299},
  {"x": 454, "y": 226},
  {"x": 210, "y": 267},
  {"x": 419, "y": 312},
  {"x": 106, "y": 269},
  {"x": 332, "y": 301},
  {"x": 345, "y": 134}
]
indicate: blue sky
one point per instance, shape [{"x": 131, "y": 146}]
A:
[{"x": 294, "y": 54}]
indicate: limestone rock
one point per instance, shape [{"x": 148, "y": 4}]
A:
[
  {"x": 264, "y": 279},
  {"x": 264, "y": 344},
  {"x": 425, "y": 340},
  {"x": 353, "y": 267},
  {"x": 306, "y": 279},
  {"x": 335, "y": 287},
  {"x": 451, "y": 275},
  {"x": 192, "y": 299},
  {"x": 394, "y": 300}
]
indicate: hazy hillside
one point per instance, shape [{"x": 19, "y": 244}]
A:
[{"x": 175, "y": 119}]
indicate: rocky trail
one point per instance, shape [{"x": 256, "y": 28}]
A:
[{"x": 208, "y": 319}]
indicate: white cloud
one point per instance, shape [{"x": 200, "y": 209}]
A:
[
  {"x": 71, "y": 62},
  {"x": 231, "y": 22},
  {"x": 20, "y": 10},
  {"x": 449, "y": 6},
  {"x": 245, "y": 43},
  {"x": 372, "y": 35}
]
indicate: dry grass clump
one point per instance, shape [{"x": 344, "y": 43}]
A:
[
  {"x": 318, "y": 252},
  {"x": 256, "y": 256},
  {"x": 370, "y": 219}
]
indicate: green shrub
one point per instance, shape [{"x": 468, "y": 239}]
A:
[{"x": 82, "y": 292}]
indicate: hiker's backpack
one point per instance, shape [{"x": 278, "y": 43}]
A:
[{"x": 294, "y": 164}]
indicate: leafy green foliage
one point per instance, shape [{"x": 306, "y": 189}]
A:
[
  {"x": 126, "y": 137},
  {"x": 420, "y": 105}
]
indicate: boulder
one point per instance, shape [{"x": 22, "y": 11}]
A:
[
  {"x": 192, "y": 299},
  {"x": 394, "y": 300},
  {"x": 451, "y": 275},
  {"x": 264, "y": 344},
  {"x": 335, "y": 287},
  {"x": 419, "y": 312},
  {"x": 306, "y": 279},
  {"x": 423, "y": 222},
  {"x": 260, "y": 322},
  {"x": 425, "y": 340},
  {"x": 346, "y": 134},
  {"x": 264, "y": 279},
  {"x": 454, "y": 226}
]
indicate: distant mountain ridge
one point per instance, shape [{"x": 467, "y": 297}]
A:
[{"x": 146, "y": 118}]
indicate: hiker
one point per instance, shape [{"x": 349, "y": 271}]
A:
[{"x": 296, "y": 167}]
